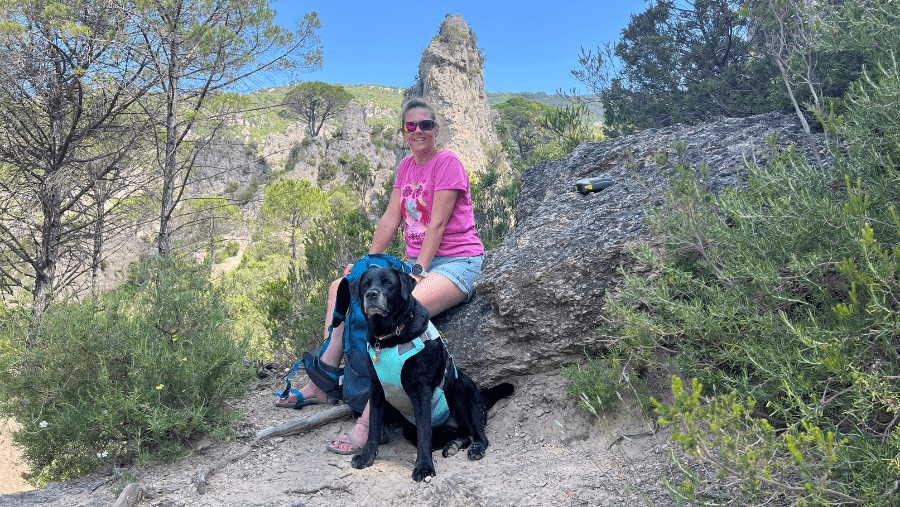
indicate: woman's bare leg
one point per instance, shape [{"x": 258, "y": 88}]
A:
[{"x": 332, "y": 354}]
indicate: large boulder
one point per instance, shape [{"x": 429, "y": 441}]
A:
[{"x": 539, "y": 299}]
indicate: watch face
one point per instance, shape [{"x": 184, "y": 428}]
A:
[{"x": 417, "y": 269}]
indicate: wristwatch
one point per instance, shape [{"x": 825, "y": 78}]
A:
[{"x": 418, "y": 270}]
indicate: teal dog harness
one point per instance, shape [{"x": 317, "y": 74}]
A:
[{"x": 389, "y": 362}]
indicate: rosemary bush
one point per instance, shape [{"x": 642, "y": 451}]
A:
[{"x": 125, "y": 376}]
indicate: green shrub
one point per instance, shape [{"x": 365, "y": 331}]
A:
[
  {"x": 230, "y": 250},
  {"x": 327, "y": 171},
  {"x": 724, "y": 432},
  {"x": 293, "y": 157},
  {"x": 593, "y": 384},
  {"x": 248, "y": 194},
  {"x": 494, "y": 195},
  {"x": 124, "y": 376}
]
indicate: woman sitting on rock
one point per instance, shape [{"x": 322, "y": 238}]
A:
[{"x": 431, "y": 198}]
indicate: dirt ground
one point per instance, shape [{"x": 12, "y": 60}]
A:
[
  {"x": 10, "y": 471},
  {"x": 544, "y": 450}
]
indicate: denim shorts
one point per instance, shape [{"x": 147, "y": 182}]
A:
[{"x": 462, "y": 271}]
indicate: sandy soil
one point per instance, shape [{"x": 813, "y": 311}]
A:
[
  {"x": 544, "y": 450},
  {"x": 10, "y": 470}
]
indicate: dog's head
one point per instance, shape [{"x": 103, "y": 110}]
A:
[{"x": 384, "y": 291}]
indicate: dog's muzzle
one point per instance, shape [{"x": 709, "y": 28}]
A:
[{"x": 374, "y": 303}]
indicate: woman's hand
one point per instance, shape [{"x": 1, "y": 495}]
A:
[{"x": 418, "y": 278}]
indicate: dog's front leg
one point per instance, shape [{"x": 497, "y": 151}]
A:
[
  {"x": 421, "y": 401},
  {"x": 368, "y": 452}
]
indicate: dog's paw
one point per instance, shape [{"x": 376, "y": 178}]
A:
[
  {"x": 421, "y": 472},
  {"x": 450, "y": 449},
  {"x": 455, "y": 446},
  {"x": 362, "y": 460},
  {"x": 476, "y": 452}
]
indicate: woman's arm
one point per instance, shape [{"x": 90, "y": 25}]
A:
[
  {"x": 388, "y": 225},
  {"x": 441, "y": 208}
]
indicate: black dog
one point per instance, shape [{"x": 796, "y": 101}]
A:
[{"x": 395, "y": 319}]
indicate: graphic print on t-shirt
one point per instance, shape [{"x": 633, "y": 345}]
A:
[{"x": 415, "y": 212}]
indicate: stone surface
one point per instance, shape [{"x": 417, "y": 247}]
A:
[
  {"x": 539, "y": 298},
  {"x": 356, "y": 138}
]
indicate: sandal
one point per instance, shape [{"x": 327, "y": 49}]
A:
[
  {"x": 301, "y": 401},
  {"x": 349, "y": 440}
]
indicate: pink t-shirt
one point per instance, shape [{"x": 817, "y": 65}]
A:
[{"x": 417, "y": 185}]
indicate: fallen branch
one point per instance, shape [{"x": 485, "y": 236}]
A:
[
  {"x": 204, "y": 475},
  {"x": 333, "y": 485},
  {"x": 307, "y": 423}
]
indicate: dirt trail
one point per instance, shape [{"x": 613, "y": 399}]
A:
[{"x": 543, "y": 451}]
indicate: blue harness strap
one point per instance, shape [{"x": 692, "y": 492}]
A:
[{"x": 390, "y": 364}]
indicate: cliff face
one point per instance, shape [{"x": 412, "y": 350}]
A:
[{"x": 451, "y": 78}]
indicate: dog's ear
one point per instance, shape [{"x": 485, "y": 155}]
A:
[{"x": 407, "y": 283}]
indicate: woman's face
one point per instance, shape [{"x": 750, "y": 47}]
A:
[{"x": 420, "y": 140}]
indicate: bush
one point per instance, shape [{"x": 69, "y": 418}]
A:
[
  {"x": 593, "y": 384},
  {"x": 752, "y": 292},
  {"x": 231, "y": 249},
  {"x": 293, "y": 157},
  {"x": 128, "y": 375},
  {"x": 327, "y": 171},
  {"x": 494, "y": 195}
]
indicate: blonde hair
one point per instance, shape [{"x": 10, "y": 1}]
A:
[{"x": 414, "y": 103}]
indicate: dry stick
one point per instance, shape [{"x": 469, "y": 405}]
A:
[
  {"x": 203, "y": 475},
  {"x": 301, "y": 425},
  {"x": 330, "y": 485},
  {"x": 290, "y": 428}
]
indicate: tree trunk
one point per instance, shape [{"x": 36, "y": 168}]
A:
[
  {"x": 45, "y": 272},
  {"x": 97, "y": 253},
  {"x": 169, "y": 170}
]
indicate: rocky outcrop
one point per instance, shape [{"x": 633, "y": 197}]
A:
[
  {"x": 355, "y": 139},
  {"x": 539, "y": 299},
  {"x": 223, "y": 162},
  {"x": 451, "y": 77},
  {"x": 355, "y": 128}
]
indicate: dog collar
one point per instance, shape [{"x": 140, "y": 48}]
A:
[{"x": 400, "y": 328}]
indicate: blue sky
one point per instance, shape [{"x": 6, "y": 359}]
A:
[{"x": 530, "y": 46}]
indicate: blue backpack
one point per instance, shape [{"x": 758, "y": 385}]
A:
[{"x": 350, "y": 383}]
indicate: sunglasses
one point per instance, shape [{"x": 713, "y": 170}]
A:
[{"x": 425, "y": 125}]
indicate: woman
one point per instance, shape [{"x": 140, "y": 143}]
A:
[{"x": 431, "y": 199}]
